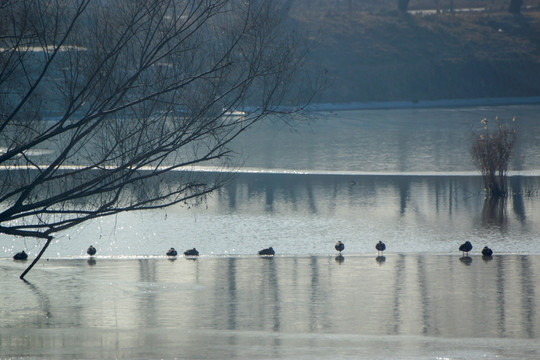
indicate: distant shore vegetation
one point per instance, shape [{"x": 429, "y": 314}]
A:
[{"x": 436, "y": 50}]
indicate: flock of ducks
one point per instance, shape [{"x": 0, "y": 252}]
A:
[
  {"x": 190, "y": 252},
  {"x": 465, "y": 248}
]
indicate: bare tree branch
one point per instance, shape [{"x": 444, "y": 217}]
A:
[{"x": 101, "y": 99}]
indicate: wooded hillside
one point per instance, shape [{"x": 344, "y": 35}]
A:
[{"x": 375, "y": 53}]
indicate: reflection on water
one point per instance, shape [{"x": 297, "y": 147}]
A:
[
  {"x": 307, "y": 214},
  {"x": 494, "y": 211},
  {"x": 421, "y": 300},
  {"x": 414, "y": 213},
  {"x": 304, "y": 213},
  {"x": 277, "y": 307},
  {"x": 322, "y": 193}
]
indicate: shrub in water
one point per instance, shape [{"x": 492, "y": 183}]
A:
[{"x": 491, "y": 152}]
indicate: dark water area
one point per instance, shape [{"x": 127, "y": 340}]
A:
[{"x": 395, "y": 306}]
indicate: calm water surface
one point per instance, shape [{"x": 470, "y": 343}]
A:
[
  {"x": 401, "y": 176},
  {"x": 306, "y": 215},
  {"x": 388, "y": 141},
  {"x": 359, "y": 307}
]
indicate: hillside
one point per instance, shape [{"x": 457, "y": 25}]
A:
[{"x": 387, "y": 56}]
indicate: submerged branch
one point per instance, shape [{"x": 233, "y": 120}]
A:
[{"x": 34, "y": 262}]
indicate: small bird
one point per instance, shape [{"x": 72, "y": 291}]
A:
[
  {"x": 267, "y": 252},
  {"x": 20, "y": 256},
  {"x": 487, "y": 251},
  {"x": 91, "y": 250},
  {"x": 172, "y": 252},
  {"x": 380, "y": 246},
  {"x": 465, "y": 248},
  {"x": 340, "y": 247},
  {"x": 191, "y": 252}
]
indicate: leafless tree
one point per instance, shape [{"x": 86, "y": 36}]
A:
[
  {"x": 101, "y": 99},
  {"x": 491, "y": 151}
]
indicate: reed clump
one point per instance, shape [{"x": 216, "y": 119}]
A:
[{"x": 491, "y": 152}]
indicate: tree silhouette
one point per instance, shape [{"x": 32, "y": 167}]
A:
[{"x": 101, "y": 99}]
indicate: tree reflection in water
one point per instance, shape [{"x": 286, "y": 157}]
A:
[
  {"x": 237, "y": 306},
  {"x": 494, "y": 211}
]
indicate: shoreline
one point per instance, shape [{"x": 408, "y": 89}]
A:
[
  {"x": 283, "y": 171},
  {"x": 399, "y": 104},
  {"x": 425, "y": 104}
]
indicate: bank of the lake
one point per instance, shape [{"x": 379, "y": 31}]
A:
[
  {"x": 427, "y": 104},
  {"x": 369, "y": 52}
]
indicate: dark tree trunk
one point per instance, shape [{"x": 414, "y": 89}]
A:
[
  {"x": 49, "y": 239},
  {"x": 515, "y": 6},
  {"x": 403, "y": 5}
]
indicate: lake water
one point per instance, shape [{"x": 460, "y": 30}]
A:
[
  {"x": 401, "y": 176},
  {"x": 405, "y": 306}
]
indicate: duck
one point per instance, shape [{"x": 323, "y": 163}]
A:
[
  {"x": 267, "y": 252},
  {"x": 487, "y": 251},
  {"x": 191, "y": 252},
  {"x": 380, "y": 246},
  {"x": 465, "y": 248},
  {"x": 20, "y": 256},
  {"x": 172, "y": 252},
  {"x": 91, "y": 250},
  {"x": 340, "y": 247}
]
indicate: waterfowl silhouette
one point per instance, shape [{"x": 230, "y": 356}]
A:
[
  {"x": 191, "y": 252},
  {"x": 340, "y": 247},
  {"x": 172, "y": 252},
  {"x": 267, "y": 252},
  {"x": 20, "y": 256},
  {"x": 465, "y": 248},
  {"x": 380, "y": 246},
  {"x": 91, "y": 250},
  {"x": 487, "y": 251}
]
